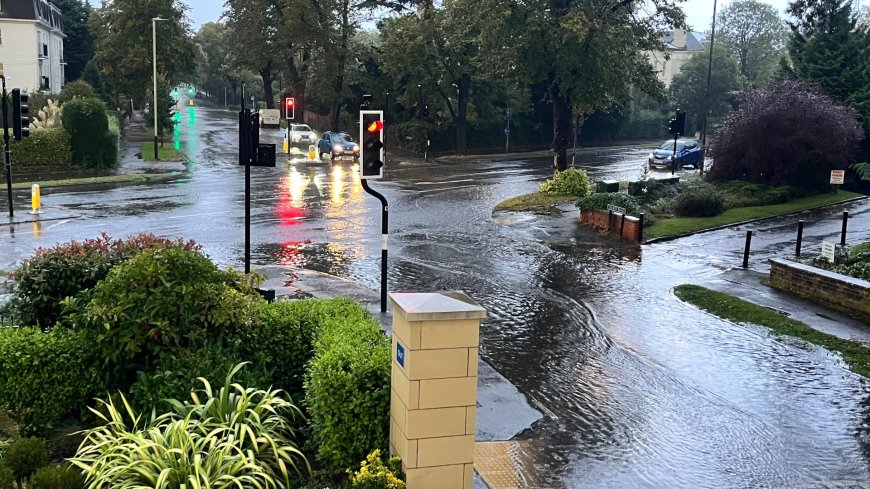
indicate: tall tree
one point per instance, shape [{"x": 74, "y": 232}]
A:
[
  {"x": 212, "y": 57},
  {"x": 587, "y": 52},
  {"x": 253, "y": 28},
  {"x": 79, "y": 44},
  {"x": 755, "y": 34},
  {"x": 124, "y": 46},
  {"x": 689, "y": 86}
]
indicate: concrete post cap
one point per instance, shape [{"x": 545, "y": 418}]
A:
[{"x": 435, "y": 306}]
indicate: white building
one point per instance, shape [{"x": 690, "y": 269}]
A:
[
  {"x": 31, "y": 45},
  {"x": 680, "y": 45}
]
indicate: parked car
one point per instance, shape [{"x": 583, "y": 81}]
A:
[
  {"x": 337, "y": 144},
  {"x": 689, "y": 152},
  {"x": 300, "y": 135}
]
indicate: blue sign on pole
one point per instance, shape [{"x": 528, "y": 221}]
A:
[
  {"x": 507, "y": 130},
  {"x": 508, "y": 117},
  {"x": 400, "y": 354}
]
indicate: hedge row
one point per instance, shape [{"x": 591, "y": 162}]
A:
[{"x": 44, "y": 147}]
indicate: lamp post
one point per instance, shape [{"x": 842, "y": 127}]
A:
[
  {"x": 707, "y": 91},
  {"x": 154, "y": 107}
]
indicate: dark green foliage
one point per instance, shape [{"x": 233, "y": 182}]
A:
[
  {"x": 76, "y": 89},
  {"x": 602, "y": 200},
  {"x": 347, "y": 389},
  {"x": 740, "y": 193},
  {"x": 856, "y": 263},
  {"x": 24, "y": 456},
  {"x": 44, "y": 147},
  {"x": 699, "y": 201},
  {"x": 88, "y": 126},
  {"x": 57, "y": 477},
  {"x": 53, "y": 274},
  {"x": 163, "y": 299},
  {"x": 93, "y": 76},
  {"x": 174, "y": 375},
  {"x": 281, "y": 342},
  {"x": 6, "y": 477},
  {"x": 46, "y": 376},
  {"x": 79, "y": 44}
]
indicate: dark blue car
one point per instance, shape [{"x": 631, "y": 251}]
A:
[
  {"x": 689, "y": 152},
  {"x": 337, "y": 144}
]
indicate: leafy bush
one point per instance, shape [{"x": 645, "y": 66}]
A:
[
  {"x": 57, "y": 477},
  {"x": 239, "y": 437},
  {"x": 87, "y": 124},
  {"x": 699, "y": 201},
  {"x": 44, "y": 147},
  {"x": 347, "y": 389},
  {"x": 7, "y": 479},
  {"x": 857, "y": 263},
  {"x": 655, "y": 190},
  {"x": 281, "y": 342},
  {"x": 862, "y": 169},
  {"x": 410, "y": 136},
  {"x": 375, "y": 474},
  {"x": 76, "y": 89},
  {"x": 24, "y": 456},
  {"x": 740, "y": 193},
  {"x": 46, "y": 376},
  {"x": 602, "y": 200},
  {"x": 573, "y": 182},
  {"x": 814, "y": 135},
  {"x": 163, "y": 298},
  {"x": 112, "y": 142},
  {"x": 175, "y": 372},
  {"x": 53, "y": 274}
]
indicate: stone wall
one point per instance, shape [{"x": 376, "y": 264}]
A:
[
  {"x": 627, "y": 227},
  {"x": 821, "y": 286}
]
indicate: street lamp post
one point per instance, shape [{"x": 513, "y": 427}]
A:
[
  {"x": 707, "y": 91},
  {"x": 154, "y": 108}
]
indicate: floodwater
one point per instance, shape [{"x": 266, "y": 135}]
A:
[{"x": 637, "y": 389}]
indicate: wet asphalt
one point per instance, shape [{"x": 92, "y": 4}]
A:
[{"x": 637, "y": 389}]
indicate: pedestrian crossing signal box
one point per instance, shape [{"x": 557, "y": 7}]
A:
[
  {"x": 371, "y": 128},
  {"x": 251, "y": 151}
]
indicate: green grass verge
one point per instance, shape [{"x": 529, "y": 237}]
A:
[
  {"x": 139, "y": 177},
  {"x": 726, "y": 306},
  {"x": 538, "y": 202},
  {"x": 166, "y": 152},
  {"x": 676, "y": 226}
]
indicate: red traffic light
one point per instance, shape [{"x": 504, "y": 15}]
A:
[
  {"x": 291, "y": 102},
  {"x": 375, "y": 126}
]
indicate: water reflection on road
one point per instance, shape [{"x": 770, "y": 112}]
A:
[{"x": 638, "y": 389}]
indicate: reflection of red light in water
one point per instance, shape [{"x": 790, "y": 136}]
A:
[
  {"x": 289, "y": 214},
  {"x": 290, "y": 254}
]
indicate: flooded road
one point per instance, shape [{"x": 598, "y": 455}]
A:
[{"x": 637, "y": 389}]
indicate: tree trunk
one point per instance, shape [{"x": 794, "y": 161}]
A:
[
  {"x": 266, "y": 73},
  {"x": 462, "y": 113},
  {"x": 562, "y": 127}
]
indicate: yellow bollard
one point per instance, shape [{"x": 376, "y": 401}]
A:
[
  {"x": 35, "y": 200},
  {"x": 286, "y": 146},
  {"x": 312, "y": 152}
]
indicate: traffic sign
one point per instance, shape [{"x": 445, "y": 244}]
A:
[
  {"x": 838, "y": 177},
  {"x": 828, "y": 251},
  {"x": 508, "y": 117},
  {"x": 507, "y": 130}
]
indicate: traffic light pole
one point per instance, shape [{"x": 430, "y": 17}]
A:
[
  {"x": 6, "y": 161},
  {"x": 385, "y": 217}
]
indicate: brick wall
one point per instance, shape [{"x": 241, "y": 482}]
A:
[
  {"x": 821, "y": 286},
  {"x": 627, "y": 227}
]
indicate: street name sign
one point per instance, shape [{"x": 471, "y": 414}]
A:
[{"x": 618, "y": 210}]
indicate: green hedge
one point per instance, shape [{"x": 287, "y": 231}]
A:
[
  {"x": 602, "y": 200},
  {"x": 347, "y": 387},
  {"x": 92, "y": 139},
  {"x": 46, "y": 376},
  {"x": 44, "y": 147}
]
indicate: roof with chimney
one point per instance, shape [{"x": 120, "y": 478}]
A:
[{"x": 694, "y": 41}]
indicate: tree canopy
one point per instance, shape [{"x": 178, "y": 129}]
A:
[
  {"x": 756, "y": 35},
  {"x": 689, "y": 86}
]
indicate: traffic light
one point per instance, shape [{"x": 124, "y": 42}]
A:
[
  {"x": 20, "y": 113},
  {"x": 677, "y": 126},
  {"x": 371, "y": 128},
  {"x": 290, "y": 105}
]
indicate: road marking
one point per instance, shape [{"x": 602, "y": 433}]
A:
[
  {"x": 445, "y": 182},
  {"x": 58, "y": 224}
]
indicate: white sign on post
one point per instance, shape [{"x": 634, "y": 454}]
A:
[
  {"x": 837, "y": 177},
  {"x": 828, "y": 250}
]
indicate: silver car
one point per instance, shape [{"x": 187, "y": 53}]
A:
[{"x": 300, "y": 135}]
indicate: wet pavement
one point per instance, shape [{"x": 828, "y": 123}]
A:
[{"x": 637, "y": 389}]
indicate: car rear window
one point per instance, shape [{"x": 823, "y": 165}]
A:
[{"x": 301, "y": 127}]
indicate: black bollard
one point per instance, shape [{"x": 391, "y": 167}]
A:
[
  {"x": 746, "y": 249},
  {"x": 800, "y": 238},
  {"x": 845, "y": 224},
  {"x": 640, "y": 229}
]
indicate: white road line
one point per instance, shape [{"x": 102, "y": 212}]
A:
[{"x": 199, "y": 215}]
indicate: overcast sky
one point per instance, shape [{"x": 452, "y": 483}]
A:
[{"x": 698, "y": 12}]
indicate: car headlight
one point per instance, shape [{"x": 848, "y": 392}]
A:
[
  {"x": 356, "y": 148},
  {"x": 651, "y": 156},
  {"x": 671, "y": 158},
  {"x": 337, "y": 148}
]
